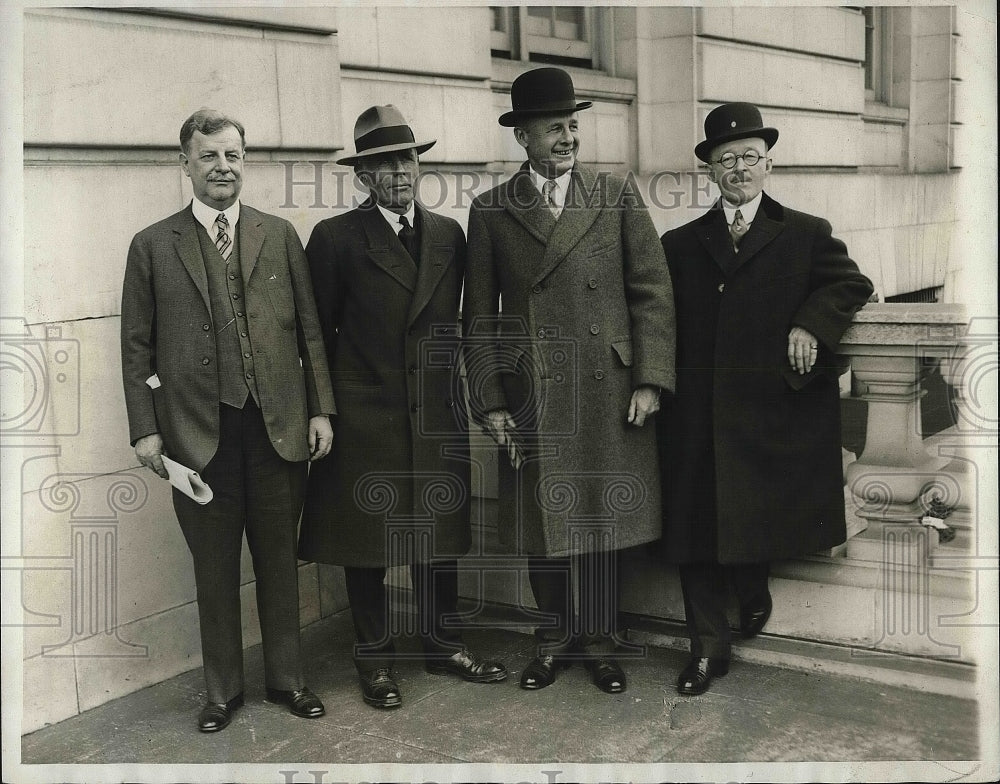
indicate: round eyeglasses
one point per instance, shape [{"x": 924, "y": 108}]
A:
[{"x": 750, "y": 158}]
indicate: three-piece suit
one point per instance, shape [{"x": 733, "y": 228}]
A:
[{"x": 225, "y": 360}]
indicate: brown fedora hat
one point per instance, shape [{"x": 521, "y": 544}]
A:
[
  {"x": 541, "y": 91},
  {"x": 730, "y": 122},
  {"x": 382, "y": 129}
]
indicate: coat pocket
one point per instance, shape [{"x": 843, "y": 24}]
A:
[
  {"x": 623, "y": 348},
  {"x": 279, "y": 294}
]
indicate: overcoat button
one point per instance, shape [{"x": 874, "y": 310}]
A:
[
  {"x": 232, "y": 277},
  {"x": 541, "y": 333},
  {"x": 598, "y": 374},
  {"x": 449, "y": 402},
  {"x": 594, "y": 329},
  {"x": 558, "y": 377},
  {"x": 249, "y": 374},
  {"x": 592, "y": 283},
  {"x": 239, "y": 314},
  {"x": 412, "y": 370},
  {"x": 721, "y": 287},
  {"x": 246, "y": 354},
  {"x": 205, "y": 360},
  {"x": 205, "y": 327},
  {"x": 536, "y": 289},
  {"x": 414, "y": 408}
]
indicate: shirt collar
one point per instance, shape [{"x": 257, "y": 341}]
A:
[
  {"x": 748, "y": 210},
  {"x": 206, "y": 215},
  {"x": 562, "y": 181},
  {"x": 392, "y": 218}
]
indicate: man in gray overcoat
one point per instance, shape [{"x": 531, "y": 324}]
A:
[
  {"x": 565, "y": 379},
  {"x": 751, "y": 439},
  {"x": 395, "y": 489}
]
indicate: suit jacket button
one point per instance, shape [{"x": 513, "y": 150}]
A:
[
  {"x": 536, "y": 289},
  {"x": 598, "y": 374},
  {"x": 594, "y": 329},
  {"x": 721, "y": 287},
  {"x": 592, "y": 283},
  {"x": 205, "y": 360},
  {"x": 206, "y": 327}
]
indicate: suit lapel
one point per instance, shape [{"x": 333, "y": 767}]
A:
[
  {"x": 713, "y": 233},
  {"x": 767, "y": 224},
  {"x": 385, "y": 250},
  {"x": 435, "y": 258},
  {"x": 581, "y": 209},
  {"x": 523, "y": 201},
  {"x": 251, "y": 228},
  {"x": 189, "y": 251}
]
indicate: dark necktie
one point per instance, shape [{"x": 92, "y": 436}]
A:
[
  {"x": 737, "y": 229},
  {"x": 408, "y": 236}
]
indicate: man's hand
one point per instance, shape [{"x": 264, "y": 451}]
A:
[
  {"x": 645, "y": 401},
  {"x": 320, "y": 437},
  {"x": 802, "y": 348},
  {"x": 500, "y": 427},
  {"x": 149, "y": 450}
]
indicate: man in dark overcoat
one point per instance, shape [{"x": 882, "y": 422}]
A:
[
  {"x": 224, "y": 372},
  {"x": 395, "y": 490},
  {"x": 567, "y": 376},
  {"x": 750, "y": 442}
]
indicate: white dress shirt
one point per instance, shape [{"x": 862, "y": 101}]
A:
[
  {"x": 393, "y": 217},
  {"x": 562, "y": 186},
  {"x": 748, "y": 210},
  {"x": 206, "y": 216}
]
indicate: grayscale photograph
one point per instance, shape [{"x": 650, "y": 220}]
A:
[{"x": 452, "y": 392}]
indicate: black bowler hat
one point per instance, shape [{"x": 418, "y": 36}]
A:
[
  {"x": 541, "y": 91},
  {"x": 382, "y": 129},
  {"x": 730, "y": 122}
]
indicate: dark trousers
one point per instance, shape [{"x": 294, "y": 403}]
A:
[
  {"x": 595, "y": 577},
  {"x": 258, "y": 492},
  {"x": 435, "y": 589},
  {"x": 707, "y": 588}
]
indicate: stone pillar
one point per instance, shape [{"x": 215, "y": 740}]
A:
[{"x": 890, "y": 347}]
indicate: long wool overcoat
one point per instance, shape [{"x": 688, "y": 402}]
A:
[
  {"x": 587, "y": 316},
  {"x": 395, "y": 486},
  {"x": 751, "y": 454}
]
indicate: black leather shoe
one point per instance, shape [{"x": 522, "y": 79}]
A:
[
  {"x": 541, "y": 672},
  {"x": 467, "y": 665},
  {"x": 379, "y": 689},
  {"x": 753, "y": 616},
  {"x": 301, "y": 702},
  {"x": 607, "y": 675},
  {"x": 697, "y": 676},
  {"x": 216, "y": 716}
]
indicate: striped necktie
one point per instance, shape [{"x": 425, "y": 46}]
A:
[
  {"x": 222, "y": 239},
  {"x": 737, "y": 229},
  {"x": 548, "y": 196}
]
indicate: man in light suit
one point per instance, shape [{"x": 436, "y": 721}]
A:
[
  {"x": 224, "y": 372},
  {"x": 395, "y": 490},
  {"x": 566, "y": 378},
  {"x": 751, "y": 440}
]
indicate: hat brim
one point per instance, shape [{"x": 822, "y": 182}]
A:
[
  {"x": 512, "y": 118},
  {"x": 769, "y": 135},
  {"x": 420, "y": 147}
]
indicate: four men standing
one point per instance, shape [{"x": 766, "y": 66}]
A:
[{"x": 569, "y": 343}]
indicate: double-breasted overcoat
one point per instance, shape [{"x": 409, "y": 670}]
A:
[
  {"x": 751, "y": 456},
  {"x": 587, "y": 316},
  {"x": 395, "y": 486}
]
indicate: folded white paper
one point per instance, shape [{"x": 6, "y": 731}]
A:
[
  {"x": 187, "y": 481},
  {"x": 153, "y": 382}
]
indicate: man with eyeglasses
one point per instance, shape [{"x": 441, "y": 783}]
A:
[{"x": 750, "y": 442}]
